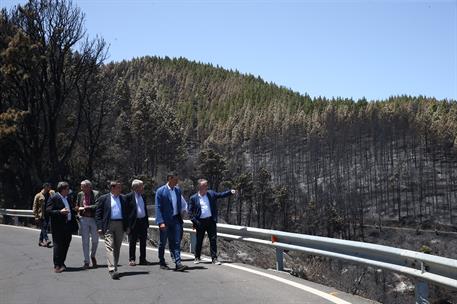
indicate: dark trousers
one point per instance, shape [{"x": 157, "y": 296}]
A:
[
  {"x": 44, "y": 223},
  {"x": 61, "y": 240},
  {"x": 172, "y": 234},
  {"x": 139, "y": 232},
  {"x": 206, "y": 225}
]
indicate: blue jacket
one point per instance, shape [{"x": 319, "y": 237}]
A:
[
  {"x": 164, "y": 205},
  {"x": 194, "y": 207}
]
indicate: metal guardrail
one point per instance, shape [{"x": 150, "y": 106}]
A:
[
  {"x": 423, "y": 267},
  {"x": 16, "y": 214}
]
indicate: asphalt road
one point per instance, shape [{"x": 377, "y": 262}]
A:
[{"x": 27, "y": 277}]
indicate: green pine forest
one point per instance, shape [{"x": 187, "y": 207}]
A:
[{"x": 305, "y": 164}]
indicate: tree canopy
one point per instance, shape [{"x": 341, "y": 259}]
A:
[{"x": 66, "y": 113}]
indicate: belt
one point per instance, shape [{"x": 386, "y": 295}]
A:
[{"x": 116, "y": 220}]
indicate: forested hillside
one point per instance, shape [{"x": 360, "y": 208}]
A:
[
  {"x": 313, "y": 165},
  {"x": 326, "y": 167}
]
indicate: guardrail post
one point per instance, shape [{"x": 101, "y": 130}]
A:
[
  {"x": 279, "y": 259},
  {"x": 16, "y": 220},
  {"x": 422, "y": 292},
  {"x": 193, "y": 242}
]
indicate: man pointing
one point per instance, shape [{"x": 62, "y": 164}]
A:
[{"x": 203, "y": 214}]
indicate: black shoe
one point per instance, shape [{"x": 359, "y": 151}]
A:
[
  {"x": 94, "y": 262},
  {"x": 197, "y": 261},
  {"x": 216, "y": 261},
  {"x": 58, "y": 269},
  {"x": 114, "y": 275},
  {"x": 145, "y": 263},
  {"x": 164, "y": 267},
  {"x": 180, "y": 267}
]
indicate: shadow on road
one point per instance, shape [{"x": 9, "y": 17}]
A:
[
  {"x": 132, "y": 273},
  {"x": 152, "y": 264},
  {"x": 194, "y": 268},
  {"x": 209, "y": 262},
  {"x": 74, "y": 269}
]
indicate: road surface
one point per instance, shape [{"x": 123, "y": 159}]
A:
[{"x": 27, "y": 277}]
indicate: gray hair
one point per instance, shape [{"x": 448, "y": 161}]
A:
[
  {"x": 136, "y": 183},
  {"x": 62, "y": 186},
  {"x": 86, "y": 182}
]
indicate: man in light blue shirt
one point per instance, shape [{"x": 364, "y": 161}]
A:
[
  {"x": 114, "y": 218},
  {"x": 116, "y": 211},
  {"x": 168, "y": 203}
]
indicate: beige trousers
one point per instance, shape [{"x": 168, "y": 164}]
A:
[{"x": 113, "y": 242}]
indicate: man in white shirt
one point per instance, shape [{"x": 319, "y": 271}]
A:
[
  {"x": 63, "y": 224},
  {"x": 203, "y": 214},
  {"x": 140, "y": 224},
  {"x": 113, "y": 217}
]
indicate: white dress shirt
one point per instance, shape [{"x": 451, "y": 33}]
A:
[
  {"x": 140, "y": 213},
  {"x": 183, "y": 206},
  {"x": 67, "y": 205},
  {"x": 204, "y": 206},
  {"x": 116, "y": 209}
]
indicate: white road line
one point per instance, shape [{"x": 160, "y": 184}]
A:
[
  {"x": 20, "y": 227},
  {"x": 314, "y": 291},
  {"x": 303, "y": 287}
]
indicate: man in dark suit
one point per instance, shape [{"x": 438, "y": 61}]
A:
[
  {"x": 113, "y": 218},
  {"x": 203, "y": 214},
  {"x": 85, "y": 206},
  {"x": 168, "y": 218},
  {"x": 140, "y": 224},
  {"x": 63, "y": 224}
]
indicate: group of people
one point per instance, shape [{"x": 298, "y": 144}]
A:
[{"x": 113, "y": 215}]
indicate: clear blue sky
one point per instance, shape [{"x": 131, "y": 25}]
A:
[{"x": 329, "y": 48}]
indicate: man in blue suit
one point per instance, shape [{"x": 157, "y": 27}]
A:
[
  {"x": 203, "y": 214},
  {"x": 168, "y": 217}
]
